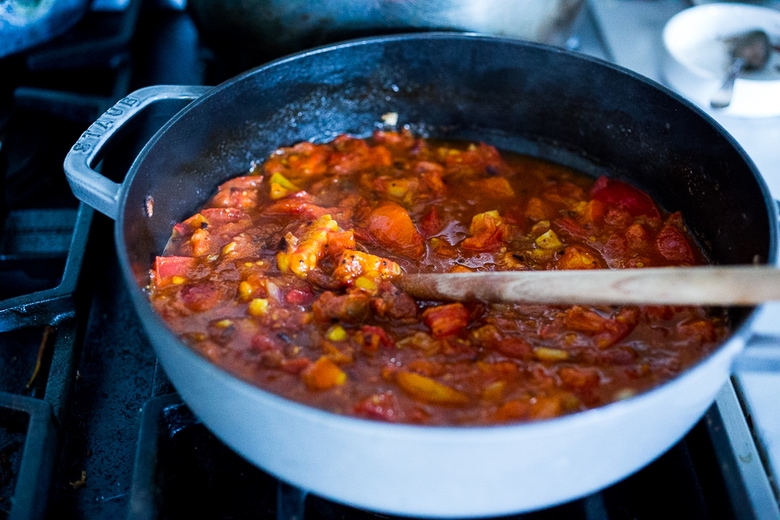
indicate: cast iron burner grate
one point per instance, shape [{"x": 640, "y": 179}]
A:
[
  {"x": 43, "y": 237},
  {"x": 49, "y": 96},
  {"x": 39, "y": 342},
  {"x": 27, "y": 445}
]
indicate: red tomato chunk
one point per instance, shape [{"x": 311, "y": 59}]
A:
[{"x": 286, "y": 278}]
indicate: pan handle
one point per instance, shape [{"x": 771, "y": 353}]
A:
[
  {"x": 87, "y": 184},
  {"x": 761, "y": 354}
]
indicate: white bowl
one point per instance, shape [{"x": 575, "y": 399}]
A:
[{"x": 696, "y": 57}]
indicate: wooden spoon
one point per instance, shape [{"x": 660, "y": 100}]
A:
[{"x": 721, "y": 285}]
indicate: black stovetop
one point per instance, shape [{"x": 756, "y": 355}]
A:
[{"x": 90, "y": 427}]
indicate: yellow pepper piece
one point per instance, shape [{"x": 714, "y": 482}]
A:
[
  {"x": 367, "y": 284},
  {"x": 540, "y": 254},
  {"x": 549, "y": 241},
  {"x": 197, "y": 221},
  {"x": 258, "y": 307},
  {"x": 283, "y": 181},
  {"x": 336, "y": 333},
  {"x": 229, "y": 247},
  {"x": 550, "y": 354},
  {"x": 355, "y": 265},
  {"x": 494, "y": 391},
  {"x": 245, "y": 290},
  {"x": 303, "y": 254},
  {"x": 340, "y": 357},
  {"x": 283, "y": 261},
  {"x": 323, "y": 374},
  {"x": 281, "y": 186},
  {"x": 429, "y": 390}
]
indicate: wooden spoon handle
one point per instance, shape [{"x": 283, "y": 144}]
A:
[{"x": 731, "y": 285}]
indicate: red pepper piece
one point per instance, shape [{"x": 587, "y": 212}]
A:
[
  {"x": 624, "y": 196},
  {"x": 381, "y": 407},
  {"x": 673, "y": 245},
  {"x": 166, "y": 267},
  {"x": 392, "y": 227},
  {"x": 446, "y": 319}
]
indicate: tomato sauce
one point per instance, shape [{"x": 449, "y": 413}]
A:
[{"x": 286, "y": 279}]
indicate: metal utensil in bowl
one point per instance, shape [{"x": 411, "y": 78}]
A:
[{"x": 750, "y": 52}]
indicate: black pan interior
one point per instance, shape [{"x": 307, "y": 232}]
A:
[{"x": 518, "y": 96}]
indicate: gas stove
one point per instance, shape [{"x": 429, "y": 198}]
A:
[{"x": 90, "y": 426}]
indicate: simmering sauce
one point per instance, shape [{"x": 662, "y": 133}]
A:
[{"x": 286, "y": 278}]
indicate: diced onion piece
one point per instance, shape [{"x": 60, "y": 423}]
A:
[
  {"x": 201, "y": 242},
  {"x": 273, "y": 290},
  {"x": 390, "y": 118}
]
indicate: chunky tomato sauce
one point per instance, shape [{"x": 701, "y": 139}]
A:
[{"x": 286, "y": 278}]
